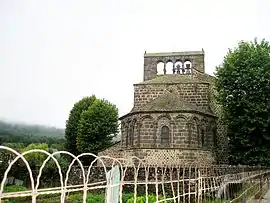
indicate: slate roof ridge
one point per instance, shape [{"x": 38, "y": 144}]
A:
[
  {"x": 178, "y": 79},
  {"x": 182, "y": 53}
]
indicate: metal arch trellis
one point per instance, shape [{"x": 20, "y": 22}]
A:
[
  {"x": 63, "y": 189},
  {"x": 183, "y": 182}
]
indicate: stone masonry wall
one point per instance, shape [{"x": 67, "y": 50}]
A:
[
  {"x": 163, "y": 157},
  {"x": 222, "y": 141},
  {"x": 172, "y": 156},
  {"x": 193, "y": 93}
]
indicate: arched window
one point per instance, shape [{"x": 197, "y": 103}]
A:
[
  {"x": 160, "y": 68},
  {"x": 178, "y": 66},
  {"x": 165, "y": 135},
  {"x": 169, "y": 67},
  {"x": 188, "y": 67}
]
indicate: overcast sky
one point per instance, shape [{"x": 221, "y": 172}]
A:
[{"x": 54, "y": 52}]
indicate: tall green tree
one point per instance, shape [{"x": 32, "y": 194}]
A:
[
  {"x": 72, "y": 123},
  {"x": 98, "y": 126},
  {"x": 243, "y": 87}
]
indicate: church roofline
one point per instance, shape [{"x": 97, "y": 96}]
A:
[
  {"x": 184, "y": 53},
  {"x": 168, "y": 111},
  {"x": 198, "y": 78},
  {"x": 168, "y": 83}
]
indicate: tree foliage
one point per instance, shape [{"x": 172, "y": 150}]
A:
[
  {"x": 243, "y": 87},
  {"x": 72, "y": 123},
  {"x": 92, "y": 125},
  {"x": 98, "y": 125},
  {"x": 36, "y": 158}
]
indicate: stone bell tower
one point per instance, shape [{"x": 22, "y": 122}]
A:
[{"x": 181, "y": 61}]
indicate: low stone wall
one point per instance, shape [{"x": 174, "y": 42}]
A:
[
  {"x": 133, "y": 176},
  {"x": 185, "y": 179}
]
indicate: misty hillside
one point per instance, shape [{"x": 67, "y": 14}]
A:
[{"x": 10, "y": 132}]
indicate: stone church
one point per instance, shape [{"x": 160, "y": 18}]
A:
[{"x": 175, "y": 117}]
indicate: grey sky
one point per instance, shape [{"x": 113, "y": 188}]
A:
[{"x": 54, "y": 52}]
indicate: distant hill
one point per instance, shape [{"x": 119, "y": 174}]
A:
[{"x": 23, "y": 133}]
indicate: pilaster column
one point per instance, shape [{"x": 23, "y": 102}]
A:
[
  {"x": 139, "y": 125},
  {"x": 155, "y": 126},
  {"x": 189, "y": 126},
  {"x": 172, "y": 133}
]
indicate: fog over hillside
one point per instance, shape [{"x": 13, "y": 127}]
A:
[
  {"x": 20, "y": 128},
  {"x": 14, "y": 132}
]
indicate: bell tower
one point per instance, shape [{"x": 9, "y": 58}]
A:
[{"x": 172, "y": 63}]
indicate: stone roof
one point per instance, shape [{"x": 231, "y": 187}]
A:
[
  {"x": 173, "y": 78},
  {"x": 184, "y": 53},
  {"x": 169, "y": 102}
]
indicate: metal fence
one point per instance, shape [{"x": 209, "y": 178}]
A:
[{"x": 129, "y": 180}]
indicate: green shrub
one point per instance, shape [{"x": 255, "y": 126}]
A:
[
  {"x": 151, "y": 199},
  {"x": 15, "y": 188},
  {"x": 91, "y": 198},
  {"x": 49, "y": 198},
  {"x": 126, "y": 197}
]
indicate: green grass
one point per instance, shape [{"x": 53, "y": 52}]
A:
[
  {"x": 77, "y": 197},
  {"x": 15, "y": 188}
]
